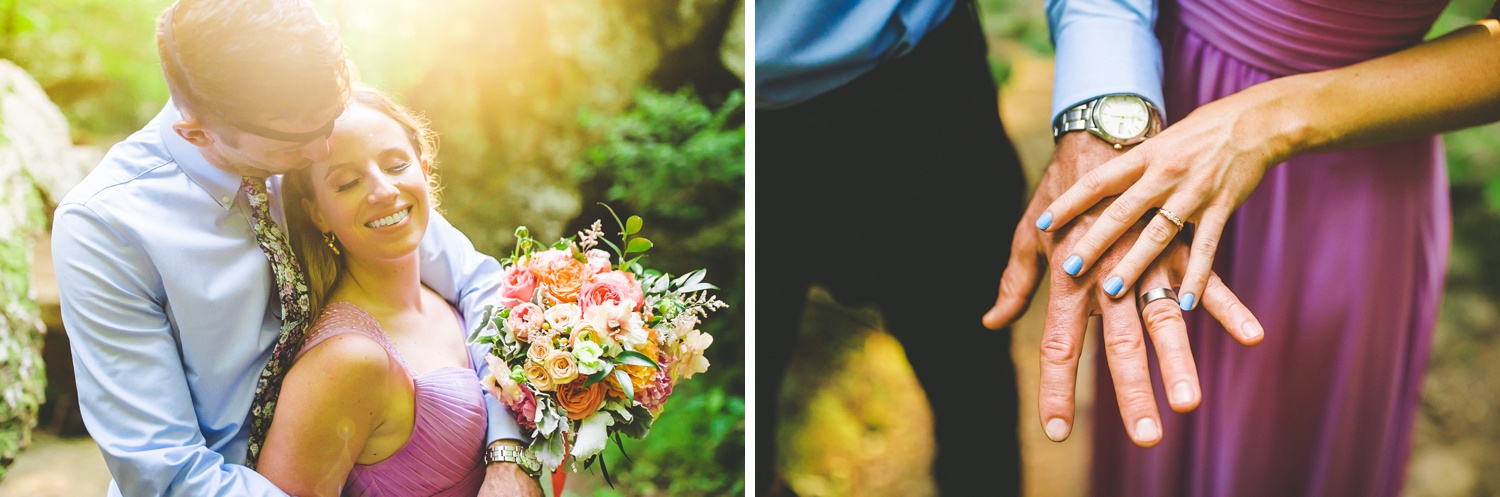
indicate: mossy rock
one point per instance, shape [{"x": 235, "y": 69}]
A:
[{"x": 35, "y": 158}]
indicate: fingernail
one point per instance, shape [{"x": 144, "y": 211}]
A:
[
  {"x": 1113, "y": 286},
  {"x": 1146, "y": 430},
  {"x": 1187, "y": 302},
  {"x": 1073, "y": 265},
  {"x": 1057, "y": 429},
  {"x": 1252, "y": 330},
  {"x": 1182, "y": 394},
  {"x": 1045, "y": 221}
]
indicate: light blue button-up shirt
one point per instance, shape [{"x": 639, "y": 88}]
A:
[
  {"x": 168, "y": 302},
  {"x": 1103, "y": 47},
  {"x": 804, "y": 48}
]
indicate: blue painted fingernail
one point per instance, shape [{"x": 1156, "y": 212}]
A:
[
  {"x": 1113, "y": 286},
  {"x": 1187, "y": 302},
  {"x": 1073, "y": 265},
  {"x": 1045, "y": 221}
]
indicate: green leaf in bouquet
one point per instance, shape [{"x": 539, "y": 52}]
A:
[
  {"x": 580, "y": 257},
  {"x": 639, "y": 245},
  {"x": 662, "y": 284},
  {"x": 596, "y": 377},
  {"x": 640, "y": 423},
  {"x": 634, "y": 358},
  {"x": 696, "y": 287},
  {"x": 624, "y": 380},
  {"x": 633, "y": 225},
  {"x": 682, "y": 280},
  {"x": 484, "y": 324},
  {"x": 549, "y": 450}
]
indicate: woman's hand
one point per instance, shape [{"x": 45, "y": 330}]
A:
[{"x": 1200, "y": 169}]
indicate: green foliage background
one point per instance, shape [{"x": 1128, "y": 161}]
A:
[{"x": 675, "y": 157}]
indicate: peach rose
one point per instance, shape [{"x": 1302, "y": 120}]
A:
[
  {"x": 617, "y": 287},
  {"x": 598, "y": 262},
  {"x": 518, "y": 283},
  {"x": 537, "y": 375},
  {"x": 524, "y": 320},
  {"x": 561, "y": 366},
  {"x": 578, "y": 400},
  {"x": 539, "y": 351},
  {"x": 560, "y": 273},
  {"x": 564, "y": 317}
]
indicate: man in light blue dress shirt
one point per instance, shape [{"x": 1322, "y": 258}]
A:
[
  {"x": 882, "y": 153},
  {"x": 166, "y": 296},
  {"x": 854, "y": 113}
]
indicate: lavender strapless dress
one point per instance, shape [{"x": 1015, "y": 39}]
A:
[
  {"x": 1341, "y": 255},
  {"x": 443, "y": 456}
]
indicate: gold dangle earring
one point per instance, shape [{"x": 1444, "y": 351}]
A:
[{"x": 328, "y": 237}]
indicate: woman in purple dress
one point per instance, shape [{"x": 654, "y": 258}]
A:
[
  {"x": 1340, "y": 251},
  {"x": 383, "y": 398}
]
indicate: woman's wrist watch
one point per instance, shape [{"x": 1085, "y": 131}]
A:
[
  {"x": 1120, "y": 119},
  {"x": 514, "y": 454}
]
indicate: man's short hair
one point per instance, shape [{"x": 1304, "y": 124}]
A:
[{"x": 240, "y": 60}]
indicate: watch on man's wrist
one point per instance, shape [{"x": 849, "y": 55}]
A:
[
  {"x": 1120, "y": 119},
  {"x": 514, "y": 454}
]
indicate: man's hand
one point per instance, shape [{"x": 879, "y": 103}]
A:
[{"x": 507, "y": 479}]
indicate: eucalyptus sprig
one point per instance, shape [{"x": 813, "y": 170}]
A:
[{"x": 639, "y": 245}]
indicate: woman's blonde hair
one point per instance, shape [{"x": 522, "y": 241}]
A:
[{"x": 323, "y": 268}]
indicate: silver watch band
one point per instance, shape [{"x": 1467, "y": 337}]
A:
[
  {"x": 1073, "y": 119},
  {"x": 513, "y": 454}
]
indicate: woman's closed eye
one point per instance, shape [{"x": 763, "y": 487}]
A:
[
  {"x": 394, "y": 170},
  {"x": 398, "y": 168}
]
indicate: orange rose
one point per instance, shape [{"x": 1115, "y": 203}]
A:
[
  {"x": 560, "y": 272},
  {"x": 579, "y": 401}
]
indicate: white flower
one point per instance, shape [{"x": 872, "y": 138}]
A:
[{"x": 589, "y": 356}]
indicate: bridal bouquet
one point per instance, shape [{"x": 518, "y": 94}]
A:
[{"x": 586, "y": 347}]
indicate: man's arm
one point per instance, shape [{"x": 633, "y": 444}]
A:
[
  {"x": 132, "y": 389},
  {"x": 1104, "y": 47},
  {"x": 470, "y": 280}
]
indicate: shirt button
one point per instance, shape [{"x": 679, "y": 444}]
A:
[{"x": 226, "y": 199}]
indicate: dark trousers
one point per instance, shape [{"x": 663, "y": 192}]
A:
[{"x": 900, "y": 189}]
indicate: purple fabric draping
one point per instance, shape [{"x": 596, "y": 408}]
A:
[
  {"x": 1341, "y": 255},
  {"x": 443, "y": 457}
]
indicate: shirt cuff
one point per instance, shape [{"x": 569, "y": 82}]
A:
[
  {"x": 502, "y": 424},
  {"x": 1100, "y": 56}
]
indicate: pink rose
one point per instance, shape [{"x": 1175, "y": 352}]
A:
[
  {"x": 519, "y": 283},
  {"x": 616, "y": 287},
  {"x": 525, "y": 319},
  {"x": 598, "y": 262}
]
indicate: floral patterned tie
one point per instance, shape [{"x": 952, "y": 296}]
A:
[{"x": 292, "y": 290}]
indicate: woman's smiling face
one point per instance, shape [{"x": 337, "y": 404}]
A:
[{"x": 372, "y": 191}]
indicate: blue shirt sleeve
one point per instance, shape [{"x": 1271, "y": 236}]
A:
[
  {"x": 1103, "y": 47},
  {"x": 132, "y": 387},
  {"x": 468, "y": 279}
]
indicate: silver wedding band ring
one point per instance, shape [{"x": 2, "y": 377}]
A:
[
  {"x": 1170, "y": 217},
  {"x": 1157, "y": 294}
]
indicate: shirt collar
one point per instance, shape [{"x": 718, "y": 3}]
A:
[{"x": 222, "y": 185}]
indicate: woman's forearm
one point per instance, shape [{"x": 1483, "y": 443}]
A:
[{"x": 1449, "y": 83}]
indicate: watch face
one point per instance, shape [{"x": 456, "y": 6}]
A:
[{"x": 1122, "y": 116}]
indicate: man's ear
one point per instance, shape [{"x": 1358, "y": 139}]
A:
[
  {"x": 315, "y": 215},
  {"x": 193, "y": 130}
]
